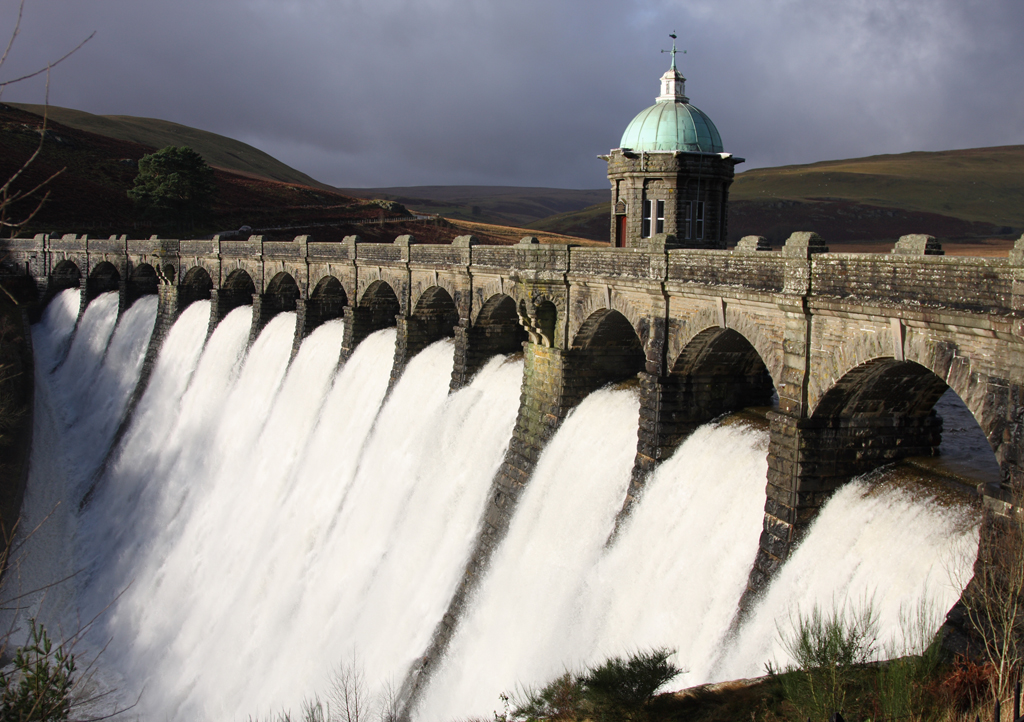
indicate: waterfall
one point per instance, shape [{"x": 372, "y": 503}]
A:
[
  {"x": 555, "y": 598},
  {"x": 265, "y": 520}
]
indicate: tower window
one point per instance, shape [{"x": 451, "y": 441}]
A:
[
  {"x": 659, "y": 219},
  {"x": 698, "y": 219},
  {"x": 686, "y": 225},
  {"x": 645, "y": 231}
]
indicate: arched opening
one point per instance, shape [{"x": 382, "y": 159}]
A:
[
  {"x": 606, "y": 350},
  {"x": 880, "y": 387},
  {"x": 142, "y": 282},
  {"x": 720, "y": 371},
  {"x": 281, "y": 294},
  {"x": 103, "y": 278},
  {"x": 330, "y": 295},
  {"x": 237, "y": 290},
  {"x": 196, "y": 286},
  {"x": 64, "y": 275},
  {"x": 380, "y": 304},
  {"x": 436, "y": 315},
  {"x": 879, "y": 412},
  {"x": 497, "y": 329},
  {"x": 240, "y": 283},
  {"x": 326, "y": 303}
]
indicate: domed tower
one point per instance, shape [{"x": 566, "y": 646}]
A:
[{"x": 669, "y": 174}]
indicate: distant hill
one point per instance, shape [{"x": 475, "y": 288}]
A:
[
  {"x": 89, "y": 195},
  {"x": 217, "y": 150},
  {"x": 94, "y": 173},
  {"x": 502, "y": 205},
  {"x": 973, "y": 193},
  {"x": 961, "y": 194}
]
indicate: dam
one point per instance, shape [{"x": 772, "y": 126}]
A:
[{"x": 464, "y": 467}]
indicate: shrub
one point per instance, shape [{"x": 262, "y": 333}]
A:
[
  {"x": 38, "y": 687},
  {"x": 619, "y": 689},
  {"x": 826, "y": 648},
  {"x": 625, "y": 686},
  {"x": 902, "y": 682}
]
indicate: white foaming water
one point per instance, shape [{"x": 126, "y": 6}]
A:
[
  {"x": 263, "y": 522},
  {"x": 255, "y": 527},
  {"x": 73, "y": 426},
  {"x": 884, "y": 546},
  {"x": 555, "y": 600},
  {"x": 519, "y": 622}
]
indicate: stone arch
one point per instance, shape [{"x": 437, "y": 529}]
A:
[
  {"x": 750, "y": 327},
  {"x": 881, "y": 386},
  {"x": 103, "y": 278},
  {"x": 381, "y": 302},
  {"x": 435, "y": 314},
  {"x": 497, "y": 326},
  {"x": 239, "y": 281},
  {"x": 991, "y": 402},
  {"x": 327, "y": 302},
  {"x": 622, "y": 304},
  {"x": 195, "y": 286},
  {"x": 281, "y": 294},
  {"x": 64, "y": 275},
  {"x": 856, "y": 350},
  {"x": 898, "y": 399},
  {"x": 442, "y": 282},
  {"x": 606, "y": 349},
  {"x": 755, "y": 333},
  {"x": 495, "y": 330},
  {"x": 237, "y": 290},
  {"x": 143, "y": 281},
  {"x": 721, "y": 371}
]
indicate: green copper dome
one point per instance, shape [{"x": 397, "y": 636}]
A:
[{"x": 671, "y": 125}]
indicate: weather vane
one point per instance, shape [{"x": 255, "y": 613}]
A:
[{"x": 673, "y": 50}]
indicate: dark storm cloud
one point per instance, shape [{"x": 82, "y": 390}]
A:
[{"x": 402, "y": 92}]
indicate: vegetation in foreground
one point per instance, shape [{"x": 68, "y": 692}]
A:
[{"x": 38, "y": 684}]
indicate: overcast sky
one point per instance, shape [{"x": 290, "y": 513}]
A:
[{"x": 364, "y": 93}]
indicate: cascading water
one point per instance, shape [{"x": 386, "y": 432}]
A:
[
  {"x": 78, "y": 407},
  {"x": 263, "y": 521},
  {"x": 676, "y": 571},
  {"x": 250, "y": 509}
]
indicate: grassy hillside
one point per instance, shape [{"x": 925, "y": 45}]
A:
[
  {"x": 90, "y": 192},
  {"x": 961, "y": 194},
  {"x": 502, "y": 205},
  {"x": 218, "y": 150},
  {"x": 90, "y": 195},
  {"x": 976, "y": 185}
]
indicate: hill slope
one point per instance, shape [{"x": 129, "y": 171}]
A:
[
  {"x": 89, "y": 195},
  {"x": 979, "y": 184},
  {"x": 217, "y": 150},
  {"x": 950, "y": 194},
  {"x": 503, "y": 205},
  {"x": 94, "y": 173}
]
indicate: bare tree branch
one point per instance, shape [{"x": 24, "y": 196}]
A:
[
  {"x": 5, "y": 83},
  {"x": 14, "y": 34}
]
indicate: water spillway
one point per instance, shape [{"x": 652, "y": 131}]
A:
[{"x": 263, "y": 521}]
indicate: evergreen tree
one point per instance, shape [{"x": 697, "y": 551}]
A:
[{"x": 175, "y": 185}]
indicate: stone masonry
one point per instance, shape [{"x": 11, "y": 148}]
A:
[{"x": 856, "y": 347}]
